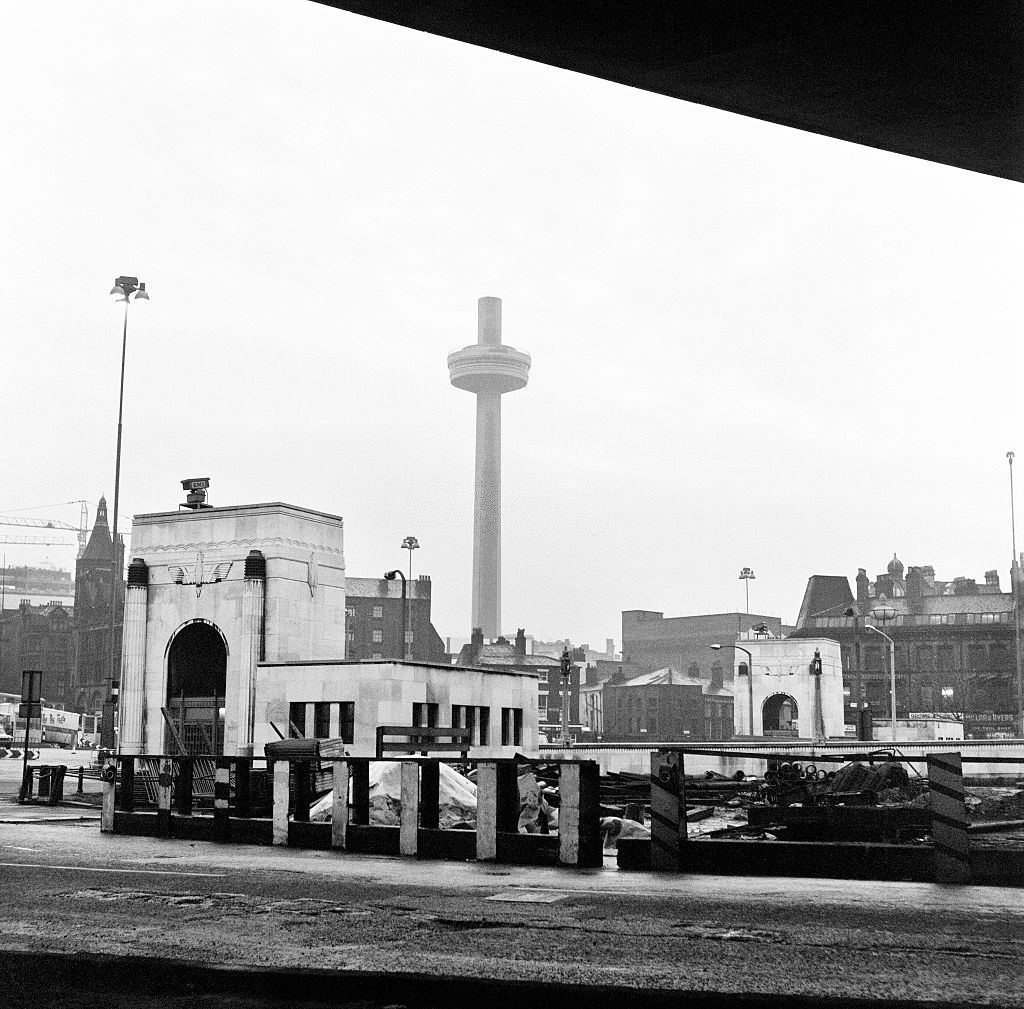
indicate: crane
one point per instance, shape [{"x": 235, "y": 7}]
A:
[{"x": 82, "y": 529}]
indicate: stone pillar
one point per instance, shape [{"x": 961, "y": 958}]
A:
[
  {"x": 251, "y": 647},
  {"x": 133, "y": 660}
]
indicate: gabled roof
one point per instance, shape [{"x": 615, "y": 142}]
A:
[{"x": 825, "y": 595}]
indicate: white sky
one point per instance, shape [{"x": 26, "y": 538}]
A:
[{"x": 751, "y": 346}]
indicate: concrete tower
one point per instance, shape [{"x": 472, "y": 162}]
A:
[{"x": 488, "y": 368}]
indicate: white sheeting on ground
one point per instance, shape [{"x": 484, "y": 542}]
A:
[{"x": 457, "y": 795}]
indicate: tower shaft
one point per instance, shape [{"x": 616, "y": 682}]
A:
[{"x": 487, "y": 516}]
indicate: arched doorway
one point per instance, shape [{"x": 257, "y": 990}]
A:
[
  {"x": 779, "y": 716},
  {"x": 197, "y": 662}
]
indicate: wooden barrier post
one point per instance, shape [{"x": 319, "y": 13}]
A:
[
  {"x": 339, "y": 806},
  {"x": 668, "y": 811},
  {"x": 108, "y": 775},
  {"x": 360, "y": 792},
  {"x": 44, "y": 782},
  {"x": 949, "y": 818},
  {"x": 221, "y": 799},
  {"x": 409, "y": 819},
  {"x": 57, "y": 784},
  {"x": 282, "y": 771},
  {"x": 303, "y": 790},
  {"x": 127, "y": 784},
  {"x": 486, "y": 810},
  {"x": 163, "y": 798},
  {"x": 186, "y": 771},
  {"x": 430, "y": 798},
  {"x": 579, "y": 815},
  {"x": 243, "y": 787}
]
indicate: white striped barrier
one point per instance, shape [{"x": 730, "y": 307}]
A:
[
  {"x": 668, "y": 811},
  {"x": 949, "y": 818}
]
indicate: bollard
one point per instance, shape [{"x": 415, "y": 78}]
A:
[
  {"x": 409, "y": 819},
  {"x": 243, "y": 787},
  {"x": 949, "y": 818},
  {"x": 579, "y": 815},
  {"x": 108, "y": 775},
  {"x": 668, "y": 811},
  {"x": 221, "y": 799},
  {"x": 339, "y": 806},
  {"x": 81, "y": 778},
  {"x": 127, "y": 795},
  {"x": 164, "y": 782},
  {"x": 44, "y": 782},
  {"x": 57, "y": 784},
  {"x": 281, "y": 774}
]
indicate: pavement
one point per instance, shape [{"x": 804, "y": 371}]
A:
[{"x": 142, "y": 921}]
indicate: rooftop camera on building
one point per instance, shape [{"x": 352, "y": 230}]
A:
[{"x": 196, "y": 487}]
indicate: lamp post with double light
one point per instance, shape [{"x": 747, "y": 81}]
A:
[
  {"x": 410, "y": 543},
  {"x": 750, "y": 679},
  {"x": 391, "y": 576},
  {"x": 885, "y": 612},
  {"x": 127, "y": 290},
  {"x": 746, "y": 574}
]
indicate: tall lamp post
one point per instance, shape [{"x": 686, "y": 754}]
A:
[
  {"x": 391, "y": 576},
  {"x": 1015, "y": 588},
  {"x": 125, "y": 289},
  {"x": 746, "y": 574},
  {"x": 885, "y": 613},
  {"x": 410, "y": 543},
  {"x": 750, "y": 679}
]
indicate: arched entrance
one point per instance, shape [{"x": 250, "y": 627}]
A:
[
  {"x": 779, "y": 716},
  {"x": 197, "y": 662}
]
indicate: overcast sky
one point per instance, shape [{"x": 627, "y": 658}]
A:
[{"x": 751, "y": 345}]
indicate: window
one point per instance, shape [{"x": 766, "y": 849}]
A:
[
  {"x": 321, "y": 720},
  {"x": 542, "y": 706},
  {"x": 424, "y": 714},
  {"x": 408, "y": 637},
  {"x": 350, "y": 636},
  {"x": 347, "y": 721},
  {"x": 350, "y": 611},
  {"x": 378, "y": 612},
  {"x": 511, "y": 726},
  {"x": 376, "y": 655},
  {"x": 378, "y": 637}
]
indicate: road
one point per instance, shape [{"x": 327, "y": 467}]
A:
[{"x": 65, "y": 888}]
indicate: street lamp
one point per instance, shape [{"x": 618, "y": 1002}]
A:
[
  {"x": 391, "y": 576},
  {"x": 746, "y": 574},
  {"x": 565, "y": 667},
  {"x": 750, "y": 678},
  {"x": 410, "y": 543},
  {"x": 885, "y": 612},
  {"x": 125, "y": 289}
]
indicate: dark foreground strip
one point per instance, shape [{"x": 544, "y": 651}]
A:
[{"x": 116, "y": 982}]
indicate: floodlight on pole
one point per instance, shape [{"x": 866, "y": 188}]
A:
[
  {"x": 125, "y": 289},
  {"x": 410, "y": 543},
  {"x": 746, "y": 574}
]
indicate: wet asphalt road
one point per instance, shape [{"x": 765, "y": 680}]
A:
[{"x": 432, "y": 930}]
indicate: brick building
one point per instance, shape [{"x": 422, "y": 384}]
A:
[
  {"x": 503, "y": 653},
  {"x": 38, "y": 637},
  {"x": 667, "y": 706},
  {"x": 954, "y": 643},
  {"x": 652, "y": 641},
  {"x": 373, "y": 620}
]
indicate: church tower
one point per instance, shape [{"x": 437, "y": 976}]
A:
[{"x": 92, "y": 615}]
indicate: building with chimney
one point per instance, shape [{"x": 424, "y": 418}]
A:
[
  {"x": 93, "y": 573},
  {"x": 954, "y": 644},
  {"x": 375, "y": 623}
]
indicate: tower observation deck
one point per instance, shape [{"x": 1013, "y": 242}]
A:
[{"x": 489, "y": 369}]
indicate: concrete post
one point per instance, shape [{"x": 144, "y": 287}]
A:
[
  {"x": 486, "y": 811},
  {"x": 668, "y": 811},
  {"x": 579, "y": 820},
  {"x": 221, "y": 798},
  {"x": 339, "y": 806},
  {"x": 109, "y": 778},
  {"x": 133, "y": 660},
  {"x": 409, "y": 820},
  {"x": 251, "y": 651},
  {"x": 163, "y": 798},
  {"x": 281, "y": 796},
  {"x": 949, "y": 818}
]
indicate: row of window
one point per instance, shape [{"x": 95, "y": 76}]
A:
[
  {"x": 337, "y": 719},
  {"x": 378, "y": 612},
  {"x": 919, "y": 619}
]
